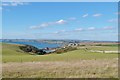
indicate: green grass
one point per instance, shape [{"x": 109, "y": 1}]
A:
[
  {"x": 12, "y": 53},
  {"x": 106, "y": 48},
  {"x": 73, "y": 64}
]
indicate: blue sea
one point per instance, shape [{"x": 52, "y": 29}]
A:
[{"x": 39, "y": 45}]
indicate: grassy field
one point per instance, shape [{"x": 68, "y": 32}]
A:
[
  {"x": 12, "y": 53},
  {"x": 107, "y": 48},
  {"x": 80, "y": 63}
]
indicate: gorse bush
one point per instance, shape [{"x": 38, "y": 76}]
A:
[
  {"x": 32, "y": 49},
  {"x": 63, "y": 50}
]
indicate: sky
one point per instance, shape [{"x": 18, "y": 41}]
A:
[{"x": 60, "y": 20}]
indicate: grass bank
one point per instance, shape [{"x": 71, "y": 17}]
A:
[{"x": 12, "y": 53}]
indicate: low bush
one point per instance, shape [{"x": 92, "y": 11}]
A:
[
  {"x": 63, "y": 50},
  {"x": 29, "y": 48}
]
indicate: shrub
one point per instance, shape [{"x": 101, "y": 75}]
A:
[
  {"x": 29, "y": 48},
  {"x": 98, "y": 45},
  {"x": 63, "y": 50}
]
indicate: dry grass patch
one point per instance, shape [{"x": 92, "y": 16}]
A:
[{"x": 71, "y": 69}]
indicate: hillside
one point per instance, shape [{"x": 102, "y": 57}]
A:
[
  {"x": 12, "y": 53},
  {"x": 17, "y": 64},
  {"x": 11, "y": 49}
]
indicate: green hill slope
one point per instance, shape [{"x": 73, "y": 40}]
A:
[
  {"x": 11, "y": 49},
  {"x": 12, "y": 53}
]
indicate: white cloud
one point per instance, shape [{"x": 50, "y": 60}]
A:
[
  {"x": 5, "y": 4},
  {"x": 108, "y": 28},
  {"x": 57, "y": 32},
  {"x": 83, "y": 29},
  {"x": 79, "y": 29},
  {"x": 43, "y": 25},
  {"x": 112, "y": 20},
  {"x": 61, "y": 21},
  {"x": 97, "y": 15},
  {"x": 40, "y": 26},
  {"x": 63, "y": 30},
  {"x": 91, "y": 28},
  {"x": 72, "y": 18},
  {"x": 33, "y": 27},
  {"x": 14, "y": 3},
  {"x": 85, "y": 15},
  {"x": 117, "y": 13}
]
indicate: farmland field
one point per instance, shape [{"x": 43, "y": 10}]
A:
[{"x": 79, "y": 63}]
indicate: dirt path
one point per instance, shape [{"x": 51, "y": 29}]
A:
[{"x": 102, "y": 51}]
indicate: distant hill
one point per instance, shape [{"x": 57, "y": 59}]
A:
[{"x": 50, "y": 41}]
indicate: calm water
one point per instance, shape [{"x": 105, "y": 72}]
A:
[{"x": 38, "y": 44}]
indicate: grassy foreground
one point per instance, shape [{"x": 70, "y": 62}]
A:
[{"x": 74, "y": 64}]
